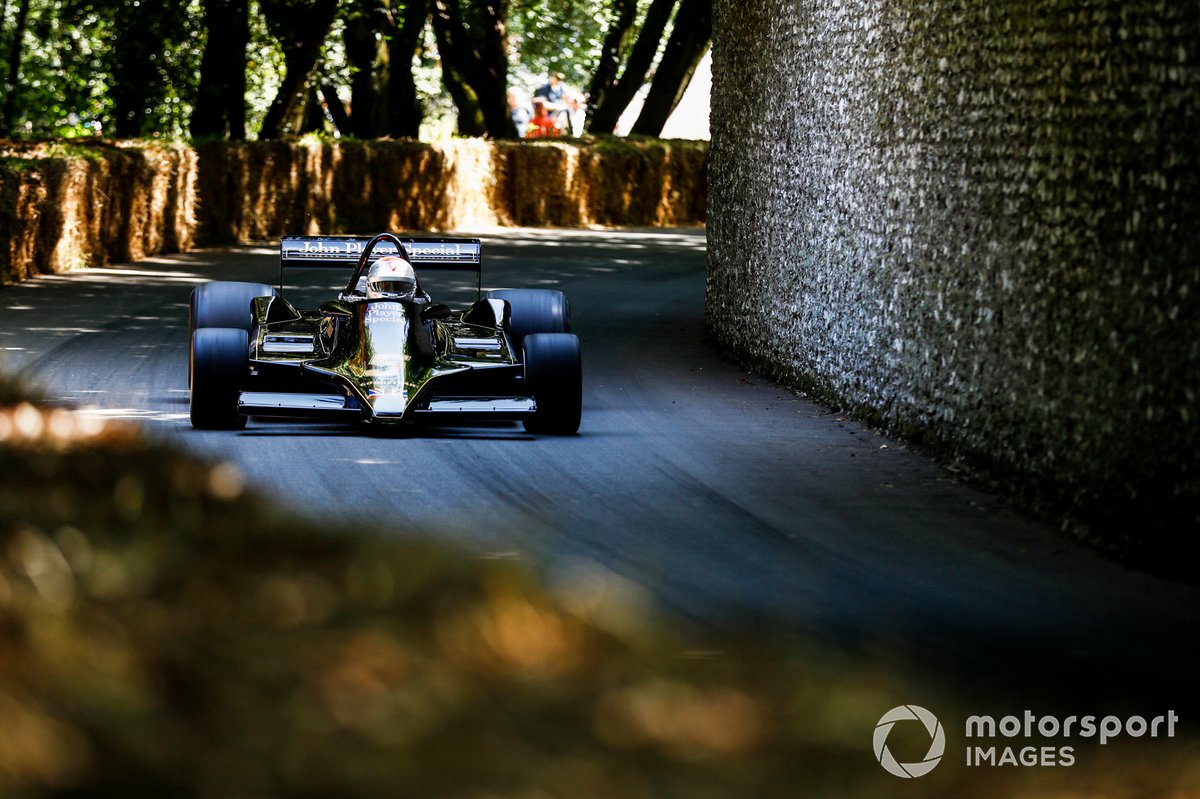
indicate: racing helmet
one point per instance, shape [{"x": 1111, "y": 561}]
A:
[{"x": 391, "y": 278}]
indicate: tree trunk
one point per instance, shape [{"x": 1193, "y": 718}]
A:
[
  {"x": 603, "y": 117},
  {"x": 301, "y": 29},
  {"x": 138, "y": 40},
  {"x": 3, "y": 16},
  {"x": 605, "y": 77},
  {"x": 470, "y": 118},
  {"x": 404, "y": 111},
  {"x": 312, "y": 117},
  {"x": 689, "y": 40},
  {"x": 235, "y": 79},
  {"x": 14, "y": 68},
  {"x": 480, "y": 60},
  {"x": 362, "y": 53},
  {"x": 337, "y": 109},
  {"x": 221, "y": 96}
]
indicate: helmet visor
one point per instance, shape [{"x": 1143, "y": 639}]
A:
[{"x": 392, "y": 289}]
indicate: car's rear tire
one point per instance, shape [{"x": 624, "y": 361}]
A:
[
  {"x": 533, "y": 311},
  {"x": 219, "y": 360},
  {"x": 224, "y": 303},
  {"x": 554, "y": 377}
]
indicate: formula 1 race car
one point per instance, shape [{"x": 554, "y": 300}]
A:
[{"x": 383, "y": 351}]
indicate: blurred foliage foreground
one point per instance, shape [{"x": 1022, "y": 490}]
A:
[{"x": 164, "y": 632}]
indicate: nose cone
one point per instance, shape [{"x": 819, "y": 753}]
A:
[{"x": 390, "y": 405}]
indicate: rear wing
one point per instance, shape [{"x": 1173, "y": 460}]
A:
[{"x": 342, "y": 252}]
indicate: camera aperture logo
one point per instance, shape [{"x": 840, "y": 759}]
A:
[{"x": 937, "y": 745}]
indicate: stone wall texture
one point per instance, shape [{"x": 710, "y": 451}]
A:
[{"x": 975, "y": 223}]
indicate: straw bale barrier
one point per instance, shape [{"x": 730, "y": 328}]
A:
[
  {"x": 64, "y": 206},
  {"x": 68, "y": 205}
]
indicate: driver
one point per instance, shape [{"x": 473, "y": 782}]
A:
[{"x": 392, "y": 278}]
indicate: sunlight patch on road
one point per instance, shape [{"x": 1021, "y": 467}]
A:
[
  {"x": 131, "y": 413},
  {"x": 97, "y": 274}
]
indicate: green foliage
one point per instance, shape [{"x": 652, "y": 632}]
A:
[
  {"x": 72, "y": 62},
  {"x": 61, "y": 83},
  {"x": 85, "y": 60},
  {"x": 173, "y": 75},
  {"x": 556, "y": 36},
  {"x": 264, "y": 69}
]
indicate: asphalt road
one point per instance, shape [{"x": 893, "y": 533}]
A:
[{"x": 730, "y": 500}]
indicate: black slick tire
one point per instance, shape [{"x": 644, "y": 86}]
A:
[
  {"x": 224, "y": 304},
  {"x": 533, "y": 311},
  {"x": 554, "y": 377},
  {"x": 219, "y": 360}
]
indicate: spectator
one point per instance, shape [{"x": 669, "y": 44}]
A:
[
  {"x": 519, "y": 111},
  {"x": 541, "y": 125},
  {"x": 552, "y": 91},
  {"x": 575, "y": 112}
]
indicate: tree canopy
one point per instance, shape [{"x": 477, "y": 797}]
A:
[{"x": 234, "y": 69}]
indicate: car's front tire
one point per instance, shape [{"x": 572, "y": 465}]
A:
[
  {"x": 219, "y": 360},
  {"x": 554, "y": 377}
]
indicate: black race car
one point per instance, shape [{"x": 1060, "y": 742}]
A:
[{"x": 510, "y": 355}]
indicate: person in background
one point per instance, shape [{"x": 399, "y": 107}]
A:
[
  {"x": 552, "y": 91},
  {"x": 541, "y": 124},
  {"x": 576, "y": 113},
  {"x": 520, "y": 112}
]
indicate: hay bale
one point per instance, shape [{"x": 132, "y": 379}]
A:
[
  {"x": 22, "y": 197},
  {"x": 64, "y": 206}
]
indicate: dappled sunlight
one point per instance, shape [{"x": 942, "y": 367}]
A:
[
  {"x": 131, "y": 414},
  {"x": 686, "y": 239},
  {"x": 27, "y": 424},
  {"x": 681, "y": 718},
  {"x": 69, "y": 331}
]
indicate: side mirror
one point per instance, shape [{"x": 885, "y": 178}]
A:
[
  {"x": 435, "y": 311},
  {"x": 337, "y": 308}
]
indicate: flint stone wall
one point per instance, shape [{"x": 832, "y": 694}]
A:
[{"x": 977, "y": 224}]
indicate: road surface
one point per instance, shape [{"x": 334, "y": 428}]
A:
[{"x": 732, "y": 501}]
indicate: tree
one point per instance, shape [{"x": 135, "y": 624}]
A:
[
  {"x": 404, "y": 23},
  {"x": 615, "y": 41},
  {"x": 564, "y": 36},
  {"x": 604, "y": 114},
  {"x": 143, "y": 78},
  {"x": 337, "y": 109},
  {"x": 383, "y": 90},
  {"x": 363, "y": 54},
  {"x": 221, "y": 96},
  {"x": 689, "y": 40},
  {"x": 470, "y": 120},
  {"x": 473, "y": 51},
  {"x": 301, "y": 27},
  {"x": 11, "y": 83}
]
